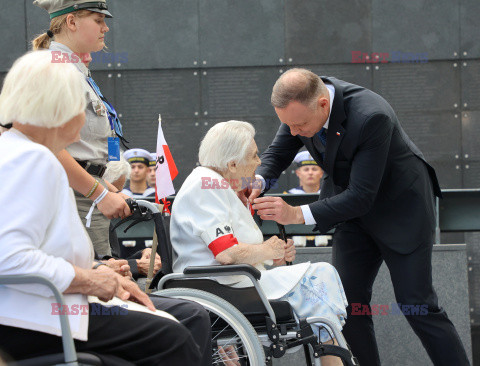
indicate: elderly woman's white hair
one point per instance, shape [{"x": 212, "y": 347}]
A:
[
  {"x": 39, "y": 92},
  {"x": 226, "y": 142},
  {"x": 117, "y": 169}
]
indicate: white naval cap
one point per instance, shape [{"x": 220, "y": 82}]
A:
[
  {"x": 153, "y": 159},
  {"x": 304, "y": 158},
  {"x": 137, "y": 156}
]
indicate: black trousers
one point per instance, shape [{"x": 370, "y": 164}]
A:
[
  {"x": 195, "y": 318},
  {"x": 133, "y": 339},
  {"x": 357, "y": 259}
]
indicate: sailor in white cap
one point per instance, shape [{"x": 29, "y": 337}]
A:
[
  {"x": 137, "y": 187},
  {"x": 77, "y": 28},
  {"x": 151, "y": 178},
  {"x": 308, "y": 173}
]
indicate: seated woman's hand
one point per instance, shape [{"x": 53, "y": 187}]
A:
[
  {"x": 102, "y": 283},
  {"x": 120, "y": 266},
  {"x": 290, "y": 252},
  {"x": 125, "y": 288},
  {"x": 129, "y": 290},
  {"x": 276, "y": 247},
  {"x": 144, "y": 262}
]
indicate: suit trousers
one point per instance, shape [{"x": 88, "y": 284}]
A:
[
  {"x": 357, "y": 258},
  {"x": 136, "y": 338}
]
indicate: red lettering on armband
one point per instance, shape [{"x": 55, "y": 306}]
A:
[{"x": 222, "y": 243}]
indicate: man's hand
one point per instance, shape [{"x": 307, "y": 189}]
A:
[
  {"x": 113, "y": 206},
  {"x": 275, "y": 208},
  {"x": 254, "y": 193},
  {"x": 120, "y": 266},
  {"x": 144, "y": 262},
  {"x": 276, "y": 247}
]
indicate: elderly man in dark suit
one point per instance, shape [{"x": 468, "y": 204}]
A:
[{"x": 378, "y": 193}]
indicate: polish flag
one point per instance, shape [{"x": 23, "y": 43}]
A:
[{"x": 166, "y": 170}]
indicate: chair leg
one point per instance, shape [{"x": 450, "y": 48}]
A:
[
  {"x": 342, "y": 343},
  {"x": 308, "y": 358}
]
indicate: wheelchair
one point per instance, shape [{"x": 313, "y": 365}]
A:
[
  {"x": 69, "y": 356},
  {"x": 247, "y": 328}
]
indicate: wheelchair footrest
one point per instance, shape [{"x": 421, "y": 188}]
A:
[{"x": 320, "y": 350}]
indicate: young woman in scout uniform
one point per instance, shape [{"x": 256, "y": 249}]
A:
[{"x": 77, "y": 28}]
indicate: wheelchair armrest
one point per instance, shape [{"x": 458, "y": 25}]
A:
[
  {"x": 70, "y": 354},
  {"x": 224, "y": 270}
]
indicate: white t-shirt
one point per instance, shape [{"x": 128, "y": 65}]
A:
[{"x": 40, "y": 233}]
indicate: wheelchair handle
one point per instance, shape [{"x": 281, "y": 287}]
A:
[{"x": 283, "y": 236}]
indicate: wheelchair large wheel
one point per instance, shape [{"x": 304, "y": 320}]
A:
[{"x": 234, "y": 340}]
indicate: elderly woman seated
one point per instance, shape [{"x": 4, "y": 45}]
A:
[
  {"x": 210, "y": 226},
  {"x": 41, "y": 233}
]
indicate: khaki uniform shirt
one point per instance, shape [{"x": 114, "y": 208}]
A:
[{"x": 93, "y": 145}]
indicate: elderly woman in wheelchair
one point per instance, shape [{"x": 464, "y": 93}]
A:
[{"x": 211, "y": 226}]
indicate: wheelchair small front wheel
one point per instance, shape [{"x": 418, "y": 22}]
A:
[{"x": 234, "y": 341}]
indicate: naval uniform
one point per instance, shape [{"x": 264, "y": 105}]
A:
[
  {"x": 299, "y": 190},
  {"x": 92, "y": 148},
  {"x": 149, "y": 192}
]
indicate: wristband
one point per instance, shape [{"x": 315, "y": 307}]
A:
[
  {"x": 97, "y": 201},
  {"x": 92, "y": 191},
  {"x": 98, "y": 264},
  {"x": 100, "y": 197}
]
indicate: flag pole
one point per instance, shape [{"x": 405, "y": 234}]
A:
[
  {"x": 148, "y": 290},
  {"x": 165, "y": 173}
]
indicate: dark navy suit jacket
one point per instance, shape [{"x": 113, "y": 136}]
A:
[{"x": 375, "y": 174}]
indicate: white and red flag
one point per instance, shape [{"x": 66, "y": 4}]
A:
[{"x": 166, "y": 170}]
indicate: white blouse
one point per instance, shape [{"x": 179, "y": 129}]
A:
[
  {"x": 40, "y": 233},
  {"x": 207, "y": 215}
]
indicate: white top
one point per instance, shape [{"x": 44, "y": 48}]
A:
[
  {"x": 40, "y": 233},
  {"x": 203, "y": 215}
]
